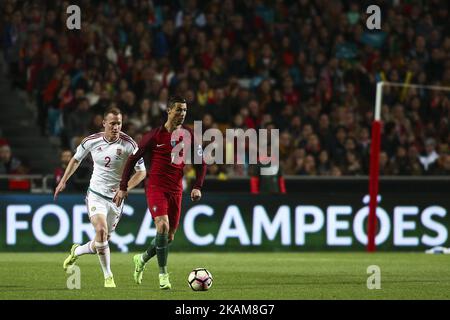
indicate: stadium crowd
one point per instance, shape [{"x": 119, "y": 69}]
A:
[{"x": 307, "y": 67}]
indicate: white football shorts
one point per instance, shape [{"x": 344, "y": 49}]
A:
[{"x": 96, "y": 204}]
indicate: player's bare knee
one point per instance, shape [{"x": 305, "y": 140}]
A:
[
  {"x": 171, "y": 237},
  {"x": 162, "y": 227},
  {"x": 102, "y": 237},
  {"x": 102, "y": 233}
]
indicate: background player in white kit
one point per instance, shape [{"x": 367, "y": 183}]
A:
[{"x": 109, "y": 150}]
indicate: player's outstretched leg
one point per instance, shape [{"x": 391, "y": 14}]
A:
[
  {"x": 76, "y": 251},
  {"x": 71, "y": 258},
  {"x": 139, "y": 267},
  {"x": 140, "y": 260},
  {"x": 87, "y": 248}
]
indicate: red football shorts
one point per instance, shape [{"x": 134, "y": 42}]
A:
[{"x": 162, "y": 203}]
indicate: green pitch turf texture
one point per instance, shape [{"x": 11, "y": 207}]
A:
[{"x": 236, "y": 276}]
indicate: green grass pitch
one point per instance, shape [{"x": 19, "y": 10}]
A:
[{"x": 258, "y": 276}]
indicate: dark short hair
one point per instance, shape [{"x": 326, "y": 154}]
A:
[
  {"x": 115, "y": 111},
  {"x": 175, "y": 99}
]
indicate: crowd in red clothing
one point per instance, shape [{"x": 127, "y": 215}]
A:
[{"x": 308, "y": 67}]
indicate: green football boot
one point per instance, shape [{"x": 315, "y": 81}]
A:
[
  {"x": 109, "y": 282},
  {"x": 164, "y": 283},
  {"x": 139, "y": 268},
  {"x": 70, "y": 260}
]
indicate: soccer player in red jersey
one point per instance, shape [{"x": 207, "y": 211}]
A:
[{"x": 164, "y": 185}]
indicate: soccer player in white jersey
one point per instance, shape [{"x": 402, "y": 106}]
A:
[{"x": 109, "y": 150}]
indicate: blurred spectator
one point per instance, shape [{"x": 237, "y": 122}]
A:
[
  {"x": 338, "y": 145},
  {"x": 96, "y": 124},
  {"x": 267, "y": 175},
  {"x": 308, "y": 167},
  {"x": 94, "y": 96},
  {"x": 441, "y": 166},
  {"x": 390, "y": 140},
  {"x": 401, "y": 163},
  {"x": 20, "y": 183},
  {"x": 65, "y": 157},
  {"x": 336, "y": 171},
  {"x": 352, "y": 164},
  {"x": 385, "y": 164},
  {"x": 415, "y": 165},
  {"x": 324, "y": 165},
  {"x": 77, "y": 126},
  {"x": 430, "y": 155},
  {"x": 8, "y": 163},
  {"x": 269, "y": 181},
  {"x": 145, "y": 115}
]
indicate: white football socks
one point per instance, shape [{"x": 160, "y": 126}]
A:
[
  {"x": 104, "y": 256},
  {"x": 86, "y": 248}
]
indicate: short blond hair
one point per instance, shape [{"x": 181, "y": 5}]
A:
[{"x": 114, "y": 110}]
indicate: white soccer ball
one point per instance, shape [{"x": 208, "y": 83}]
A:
[{"x": 200, "y": 279}]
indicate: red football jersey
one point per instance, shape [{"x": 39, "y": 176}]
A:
[{"x": 165, "y": 174}]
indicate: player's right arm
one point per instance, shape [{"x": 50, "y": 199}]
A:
[
  {"x": 74, "y": 163},
  {"x": 71, "y": 168}
]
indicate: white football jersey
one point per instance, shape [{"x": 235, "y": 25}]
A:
[{"x": 109, "y": 161}]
